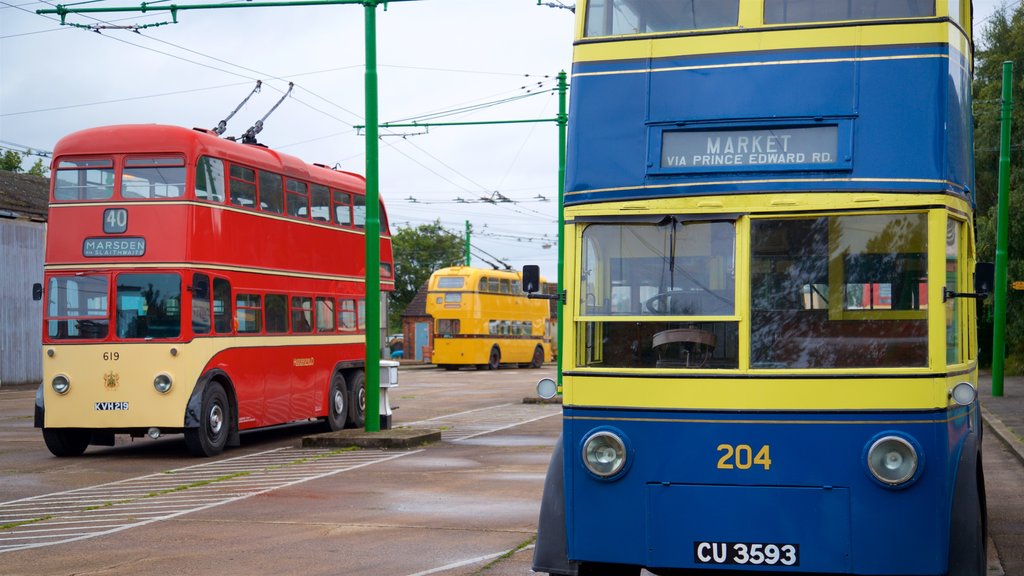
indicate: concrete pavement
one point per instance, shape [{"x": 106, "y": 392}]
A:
[{"x": 1004, "y": 422}]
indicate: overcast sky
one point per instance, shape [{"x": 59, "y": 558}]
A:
[{"x": 434, "y": 55}]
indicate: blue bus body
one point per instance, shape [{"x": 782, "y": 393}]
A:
[{"x": 766, "y": 228}]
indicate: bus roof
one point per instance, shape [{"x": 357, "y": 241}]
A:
[{"x": 163, "y": 139}]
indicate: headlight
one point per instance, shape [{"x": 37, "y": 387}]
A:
[
  {"x": 61, "y": 384},
  {"x": 604, "y": 454},
  {"x": 162, "y": 383},
  {"x": 892, "y": 460},
  {"x": 963, "y": 394}
]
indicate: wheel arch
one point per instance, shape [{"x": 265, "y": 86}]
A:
[
  {"x": 968, "y": 503},
  {"x": 551, "y": 552},
  {"x": 195, "y": 403}
]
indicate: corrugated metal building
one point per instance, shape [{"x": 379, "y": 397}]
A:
[{"x": 23, "y": 200}]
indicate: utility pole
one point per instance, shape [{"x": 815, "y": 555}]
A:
[
  {"x": 1002, "y": 234},
  {"x": 467, "y": 244},
  {"x": 372, "y": 230}
]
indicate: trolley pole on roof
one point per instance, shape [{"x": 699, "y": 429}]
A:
[{"x": 1002, "y": 234}]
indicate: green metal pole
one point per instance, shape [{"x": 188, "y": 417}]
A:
[
  {"x": 563, "y": 121},
  {"x": 1002, "y": 235},
  {"x": 467, "y": 244},
  {"x": 372, "y": 225}
]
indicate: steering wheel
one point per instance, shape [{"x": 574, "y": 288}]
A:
[{"x": 660, "y": 304}]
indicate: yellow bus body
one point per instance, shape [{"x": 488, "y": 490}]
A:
[{"x": 502, "y": 319}]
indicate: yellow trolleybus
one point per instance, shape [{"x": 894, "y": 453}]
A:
[{"x": 483, "y": 318}]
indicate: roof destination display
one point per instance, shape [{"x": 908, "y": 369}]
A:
[{"x": 732, "y": 148}]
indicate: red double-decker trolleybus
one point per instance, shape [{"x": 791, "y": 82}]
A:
[{"x": 198, "y": 285}]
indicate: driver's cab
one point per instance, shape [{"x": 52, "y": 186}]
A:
[{"x": 658, "y": 292}]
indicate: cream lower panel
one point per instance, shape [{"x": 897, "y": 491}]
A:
[{"x": 112, "y": 384}]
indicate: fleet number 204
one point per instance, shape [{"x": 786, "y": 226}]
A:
[{"x": 743, "y": 457}]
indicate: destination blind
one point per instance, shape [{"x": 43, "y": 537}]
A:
[{"x": 753, "y": 148}]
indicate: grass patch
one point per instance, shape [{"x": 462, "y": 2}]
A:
[
  {"x": 10, "y": 525},
  {"x": 506, "y": 555},
  {"x": 198, "y": 484}
]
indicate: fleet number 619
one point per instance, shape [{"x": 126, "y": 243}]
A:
[{"x": 742, "y": 457}]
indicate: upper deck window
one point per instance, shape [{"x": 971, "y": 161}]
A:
[
  {"x": 91, "y": 179},
  {"x": 451, "y": 282},
  {"x": 210, "y": 179},
  {"x": 153, "y": 177},
  {"x": 796, "y": 11},
  {"x": 615, "y": 17}
]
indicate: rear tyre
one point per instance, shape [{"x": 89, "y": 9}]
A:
[
  {"x": 495, "y": 360},
  {"x": 66, "y": 441},
  {"x": 538, "y": 357},
  {"x": 337, "y": 400},
  {"x": 357, "y": 401},
  {"x": 211, "y": 436}
]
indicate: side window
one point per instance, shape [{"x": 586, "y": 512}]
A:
[
  {"x": 359, "y": 211},
  {"x": 347, "y": 315},
  {"x": 210, "y": 179},
  {"x": 320, "y": 203},
  {"x": 324, "y": 315},
  {"x": 362, "y": 316},
  {"x": 298, "y": 199},
  {"x": 271, "y": 193},
  {"x": 242, "y": 186},
  {"x": 482, "y": 285},
  {"x": 302, "y": 314},
  {"x": 277, "y": 313},
  {"x": 342, "y": 208},
  {"x": 221, "y": 306},
  {"x": 200, "y": 304},
  {"x": 505, "y": 286},
  {"x": 249, "y": 313},
  {"x": 493, "y": 285}
]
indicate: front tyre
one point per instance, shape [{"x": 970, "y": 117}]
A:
[
  {"x": 494, "y": 362},
  {"x": 357, "y": 401},
  {"x": 65, "y": 442},
  {"x": 210, "y": 437}
]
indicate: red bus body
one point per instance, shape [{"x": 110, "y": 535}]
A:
[{"x": 217, "y": 264}]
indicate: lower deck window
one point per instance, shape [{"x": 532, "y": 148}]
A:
[
  {"x": 148, "y": 306},
  {"x": 839, "y": 292}
]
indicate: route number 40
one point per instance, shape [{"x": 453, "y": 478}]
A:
[{"x": 742, "y": 456}]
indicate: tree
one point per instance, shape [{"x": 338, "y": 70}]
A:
[
  {"x": 418, "y": 253},
  {"x": 10, "y": 161},
  {"x": 1002, "y": 40},
  {"x": 38, "y": 169}
]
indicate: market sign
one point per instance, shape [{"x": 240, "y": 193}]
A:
[
  {"x": 107, "y": 247},
  {"x": 769, "y": 148}
]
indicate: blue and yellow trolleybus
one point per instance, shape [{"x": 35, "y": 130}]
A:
[{"x": 770, "y": 351}]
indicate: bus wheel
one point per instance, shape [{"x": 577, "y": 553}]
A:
[
  {"x": 66, "y": 441},
  {"x": 337, "y": 398},
  {"x": 357, "y": 401},
  {"x": 211, "y": 436},
  {"x": 495, "y": 361},
  {"x": 538, "y": 357}
]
